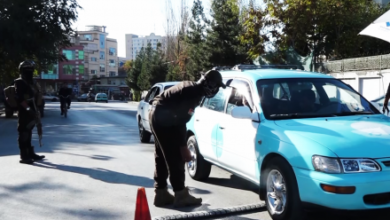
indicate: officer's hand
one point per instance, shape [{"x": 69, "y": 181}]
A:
[{"x": 186, "y": 154}]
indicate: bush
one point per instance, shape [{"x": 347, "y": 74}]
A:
[{"x": 136, "y": 96}]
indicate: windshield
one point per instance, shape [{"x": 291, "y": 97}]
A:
[{"x": 308, "y": 98}]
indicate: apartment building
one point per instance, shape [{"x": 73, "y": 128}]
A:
[
  {"x": 100, "y": 52},
  {"x": 134, "y": 43}
]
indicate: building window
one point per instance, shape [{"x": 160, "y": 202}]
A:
[
  {"x": 93, "y": 71},
  {"x": 112, "y": 51},
  {"x": 102, "y": 55},
  {"x": 93, "y": 59},
  {"x": 81, "y": 69},
  {"x": 68, "y": 69},
  {"x": 87, "y": 36},
  {"x": 81, "y": 55},
  {"x": 112, "y": 73},
  {"x": 102, "y": 68},
  {"x": 111, "y": 63},
  {"x": 69, "y": 54},
  {"x": 109, "y": 81}
]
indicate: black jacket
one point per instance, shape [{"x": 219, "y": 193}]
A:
[
  {"x": 177, "y": 103},
  {"x": 65, "y": 92}
]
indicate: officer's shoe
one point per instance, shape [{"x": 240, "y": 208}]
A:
[
  {"x": 25, "y": 157},
  {"x": 183, "y": 198},
  {"x": 33, "y": 155},
  {"x": 163, "y": 197}
]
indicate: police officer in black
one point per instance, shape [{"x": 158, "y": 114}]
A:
[
  {"x": 170, "y": 112},
  {"x": 25, "y": 96}
]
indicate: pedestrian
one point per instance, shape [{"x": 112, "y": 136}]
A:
[
  {"x": 169, "y": 115},
  {"x": 27, "y": 113}
]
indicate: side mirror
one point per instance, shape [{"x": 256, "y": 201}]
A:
[{"x": 244, "y": 112}]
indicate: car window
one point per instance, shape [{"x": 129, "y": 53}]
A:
[
  {"x": 154, "y": 92},
  {"x": 217, "y": 103},
  {"x": 237, "y": 98},
  {"x": 318, "y": 97},
  {"x": 242, "y": 91}
]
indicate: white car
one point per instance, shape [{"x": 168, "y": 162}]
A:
[{"x": 143, "y": 109}]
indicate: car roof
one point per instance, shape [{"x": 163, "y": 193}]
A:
[
  {"x": 172, "y": 83},
  {"x": 258, "y": 74}
]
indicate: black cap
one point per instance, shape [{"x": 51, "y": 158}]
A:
[{"x": 215, "y": 76}]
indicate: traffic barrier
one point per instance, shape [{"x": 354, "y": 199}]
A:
[
  {"x": 212, "y": 214},
  {"x": 142, "y": 211}
]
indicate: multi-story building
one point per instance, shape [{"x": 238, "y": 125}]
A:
[
  {"x": 100, "y": 52},
  {"x": 134, "y": 43},
  {"x": 121, "y": 61},
  {"x": 383, "y": 2}
]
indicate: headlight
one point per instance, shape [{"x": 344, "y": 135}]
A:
[{"x": 335, "y": 165}]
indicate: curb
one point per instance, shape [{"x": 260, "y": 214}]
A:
[{"x": 212, "y": 214}]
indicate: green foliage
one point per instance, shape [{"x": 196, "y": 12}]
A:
[
  {"x": 195, "y": 39},
  {"x": 223, "y": 45},
  {"x": 36, "y": 30},
  {"x": 253, "y": 23},
  {"x": 327, "y": 27},
  {"x": 147, "y": 69}
]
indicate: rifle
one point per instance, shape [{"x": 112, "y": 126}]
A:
[{"x": 37, "y": 122}]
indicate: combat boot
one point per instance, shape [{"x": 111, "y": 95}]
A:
[
  {"x": 162, "y": 197},
  {"x": 183, "y": 198},
  {"x": 33, "y": 155},
  {"x": 25, "y": 157}
]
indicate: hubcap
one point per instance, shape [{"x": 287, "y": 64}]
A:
[
  {"x": 276, "y": 192},
  {"x": 192, "y": 165}
]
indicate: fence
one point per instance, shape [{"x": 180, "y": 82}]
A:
[{"x": 355, "y": 64}]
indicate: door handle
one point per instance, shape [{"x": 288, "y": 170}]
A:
[
  {"x": 220, "y": 127},
  {"x": 142, "y": 107},
  {"x": 196, "y": 119}
]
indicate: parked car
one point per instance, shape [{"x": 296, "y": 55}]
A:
[
  {"x": 304, "y": 138},
  {"x": 145, "y": 132},
  {"x": 83, "y": 98},
  {"x": 50, "y": 97},
  {"x": 101, "y": 97}
]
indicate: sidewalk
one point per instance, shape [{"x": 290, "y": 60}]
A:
[{"x": 133, "y": 102}]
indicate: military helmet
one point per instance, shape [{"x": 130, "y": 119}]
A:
[{"x": 27, "y": 65}]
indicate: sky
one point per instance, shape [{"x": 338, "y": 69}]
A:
[{"x": 140, "y": 17}]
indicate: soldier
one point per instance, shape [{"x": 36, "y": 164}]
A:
[
  {"x": 168, "y": 118},
  {"x": 25, "y": 96}
]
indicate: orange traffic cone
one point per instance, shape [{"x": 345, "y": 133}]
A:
[{"x": 141, "y": 207}]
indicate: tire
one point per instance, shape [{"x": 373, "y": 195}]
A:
[
  {"x": 106, "y": 101},
  {"x": 292, "y": 206},
  {"x": 9, "y": 113},
  {"x": 144, "y": 136},
  {"x": 198, "y": 168}
]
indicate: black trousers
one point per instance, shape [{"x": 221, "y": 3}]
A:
[
  {"x": 26, "y": 123},
  {"x": 168, "y": 159},
  {"x": 63, "y": 101}
]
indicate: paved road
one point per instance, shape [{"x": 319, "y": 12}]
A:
[{"x": 95, "y": 164}]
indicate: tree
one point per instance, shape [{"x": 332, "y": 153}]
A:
[
  {"x": 326, "y": 27},
  {"x": 195, "y": 39},
  {"x": 223, "y": 45},
  {"x": 135, "y": 71},
  {"x": 252, "y": 37},
  {"x": 36, "y": 30}
]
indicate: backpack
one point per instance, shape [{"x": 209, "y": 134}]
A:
[{"x": 10, "y": 94}]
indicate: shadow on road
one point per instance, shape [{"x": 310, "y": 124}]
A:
[
  {"x": 234, "y": 182},
  {"x": 101, "y": 174}
]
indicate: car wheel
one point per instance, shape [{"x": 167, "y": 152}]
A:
[
  {"x": 282, "y": 193},
  {"x": 198, "y": 167},
  {"x": 144, "y": 135}
]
